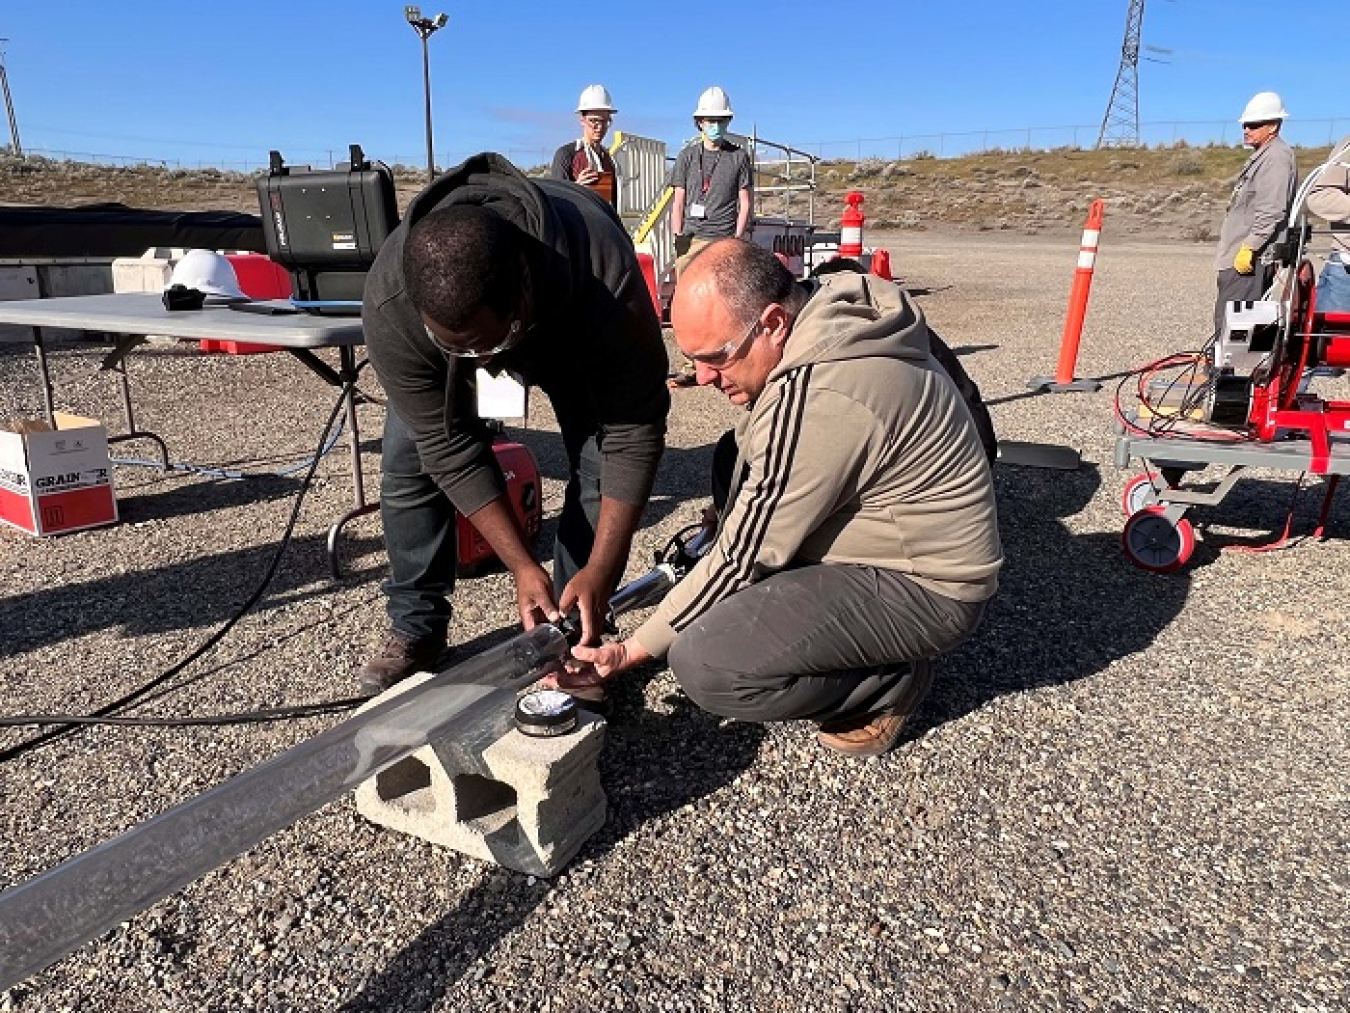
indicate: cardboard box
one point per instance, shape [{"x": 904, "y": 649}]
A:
[
  {"x": 54, "y": 481},
  {"x": 1176, "y": 398}
]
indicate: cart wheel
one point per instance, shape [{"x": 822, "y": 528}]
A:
[
  {"x": 1152, "y": 542},
  {"x": 1139, "y": 493}
]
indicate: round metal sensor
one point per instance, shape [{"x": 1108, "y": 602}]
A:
[{"x": 546, "y": 712}]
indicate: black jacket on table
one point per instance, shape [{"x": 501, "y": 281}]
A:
[{"x": 595, "y": 347}]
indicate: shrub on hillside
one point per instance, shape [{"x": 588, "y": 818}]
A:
[
  {"x": 1187, "y": 163},
  {"x": 868, "y": 168}
]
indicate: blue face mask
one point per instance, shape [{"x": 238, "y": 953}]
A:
[{"x": 714, "y": 131}]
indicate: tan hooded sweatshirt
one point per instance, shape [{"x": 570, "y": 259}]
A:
[{"x": 859, "y": 450}]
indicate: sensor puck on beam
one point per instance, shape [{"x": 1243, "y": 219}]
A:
[{"x": 545, "y": 713}]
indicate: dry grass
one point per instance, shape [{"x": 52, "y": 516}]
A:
[{"x": 1173, "y": 192}]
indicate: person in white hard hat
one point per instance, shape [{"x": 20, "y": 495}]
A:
[
  {"x": 1329, "y": 198},
  {"x": 1258, "y": 208},
  {"x": 586, "y": 160},
  {"x": 713, "y": 196}
]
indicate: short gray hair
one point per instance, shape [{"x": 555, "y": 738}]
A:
[{"x": 749, "y": 278}]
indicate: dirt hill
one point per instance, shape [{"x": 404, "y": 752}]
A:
[{"x": 1165, "y": 193}]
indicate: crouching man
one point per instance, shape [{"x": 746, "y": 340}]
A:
[{"x": 861, "y": 537}]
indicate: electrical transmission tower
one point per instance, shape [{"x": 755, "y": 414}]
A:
[
  {"x": 1120, "y": 126},
  {"x": 9, "y": 105}
]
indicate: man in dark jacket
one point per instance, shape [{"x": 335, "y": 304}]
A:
[{"x": 491, "y": 269}]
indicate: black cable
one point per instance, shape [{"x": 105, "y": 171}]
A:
[
  {"x": 220, "y": 471},
  {"x": 303, "y": 710},
  {"x": 69, "y": 726},
  {"x": 1167, "y": 423}
]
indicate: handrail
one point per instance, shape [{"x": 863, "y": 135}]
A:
[{"x": 653, "y": 216}]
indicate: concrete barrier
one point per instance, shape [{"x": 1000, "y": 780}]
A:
[{"x": 520, "y": 802}]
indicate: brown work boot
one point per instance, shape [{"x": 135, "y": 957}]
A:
[
  {"x": 877, "y": 733},
  {"x": 399, "y": 658}
]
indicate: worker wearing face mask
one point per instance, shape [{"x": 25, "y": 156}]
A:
[{"x": 713, "y": 188}]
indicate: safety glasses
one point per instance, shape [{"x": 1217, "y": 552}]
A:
[
  {"x": 473, "y": 351},
  {"x": 728, "y": 353}
]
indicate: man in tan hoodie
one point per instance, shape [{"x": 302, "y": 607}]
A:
[
  {"x": 861, "y": 537},
  {"x": 1330, "y": 198}
]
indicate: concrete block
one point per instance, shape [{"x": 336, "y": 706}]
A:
[{"x": 520, "y": 802}]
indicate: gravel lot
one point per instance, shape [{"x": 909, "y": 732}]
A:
[{"x": 1127, "y": 793}]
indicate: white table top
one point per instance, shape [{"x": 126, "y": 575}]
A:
[{"x": 144, "y": 313}]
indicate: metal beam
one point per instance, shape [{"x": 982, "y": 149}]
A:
[{"x": 48, "y": 917}]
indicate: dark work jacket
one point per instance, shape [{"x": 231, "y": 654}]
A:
[{"x": 595, "y": 348}]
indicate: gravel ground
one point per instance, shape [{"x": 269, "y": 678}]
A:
[{"x": 1127, "y": 793}]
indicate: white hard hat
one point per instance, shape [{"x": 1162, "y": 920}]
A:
[
  {"x": 714, "y": 103},
  {"x": 1264, "y": 107},
  {"x": 595, "y": 97},
  {"x": 208, "y": 272}
]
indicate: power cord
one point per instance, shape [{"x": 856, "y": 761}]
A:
[
  {"x": 215, "y": 471},
  {"x": 69, "y": 724}
]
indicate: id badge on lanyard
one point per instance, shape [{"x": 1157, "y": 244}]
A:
[
  {"x": 698, "y": 209},
  {"x": 504, "y": 396}
]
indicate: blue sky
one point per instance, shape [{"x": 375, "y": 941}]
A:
[{"x": 225, "y": 82}]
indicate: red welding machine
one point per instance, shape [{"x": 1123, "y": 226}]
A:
[{"x": 521, "y": 471}]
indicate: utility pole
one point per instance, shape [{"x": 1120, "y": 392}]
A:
[
  {"x": 9, "y": 106},
  {"x": 1120, "y": 126},
  {"x": 425, "y": 28}
]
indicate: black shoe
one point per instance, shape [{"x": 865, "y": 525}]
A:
[{"x": 399, "y": 658}]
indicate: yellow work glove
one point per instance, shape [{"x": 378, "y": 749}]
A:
[{"x": 1242, "y": 263}]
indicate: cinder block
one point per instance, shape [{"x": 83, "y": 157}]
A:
[{"x": 521, "y": 802}]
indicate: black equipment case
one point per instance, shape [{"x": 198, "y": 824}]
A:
[{"x": 326, "y": 226}]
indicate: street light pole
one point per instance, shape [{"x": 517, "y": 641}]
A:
[{"x": 425, "y": 28}]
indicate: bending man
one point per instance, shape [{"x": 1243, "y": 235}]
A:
[
  {"x": 861, "y": 540},
  {"x": 491, "y": 269}
]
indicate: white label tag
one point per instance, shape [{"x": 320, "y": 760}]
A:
[
  {"x": 502, "y": 396},
  {"x": 697, "y": 211}
]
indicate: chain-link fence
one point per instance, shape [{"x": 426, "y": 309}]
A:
[
  {"x": 951, "y": 144},
  {"x": 526, "y": 158},
  {"x": 948, "y": 144}
]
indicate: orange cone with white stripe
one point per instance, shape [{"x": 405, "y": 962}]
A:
[{"x": 1078, "y": 301}]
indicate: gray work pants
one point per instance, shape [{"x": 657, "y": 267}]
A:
[{"x": 820, "y": 642}]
